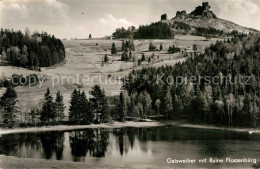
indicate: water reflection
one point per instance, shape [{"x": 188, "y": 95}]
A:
[
  {"x": 52, "y": 142},
  {"x": 128, "y": 145},
  {"x": 92, "y": 141}
]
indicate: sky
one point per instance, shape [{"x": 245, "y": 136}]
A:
[{"x": 64, "y": 18}]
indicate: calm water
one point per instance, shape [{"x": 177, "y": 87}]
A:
[{"x": 127, "y": 146}]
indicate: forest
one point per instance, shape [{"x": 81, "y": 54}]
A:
[
  {"x": 209, "y": 32},
  {"x": 220, "y": 86},
  {"x": 30, "y": 51},
  {"x": 124, "y": 33},
  {"x": 157, "y": 30},
  {"x": 227, "y": 101},
  {"x": 161, "y": 30}
]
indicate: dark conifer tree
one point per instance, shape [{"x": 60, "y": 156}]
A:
[
  {"x": 123, "y": 47},
  {"x": 8, "y": 107},
  {"x": 151, "y": 47},
  {"x": 99, "y": 102},
  {"x": 59, "y": 107},
  {"x": 143, "y": 58},
  {"x": 74, "y": 109},
  {"x": 113, "y": 49},
  {"x": 86, "y": 114},
  {"x": 124, "y": 56},
  {"x": 161, "y": 47},
  {"x": 48, "y": 109},
  {"x": 121, "y": 108},
  {"x": 106, "y": 58}
]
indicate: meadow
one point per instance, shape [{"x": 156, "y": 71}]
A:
[{"x": 84, "y": 61}]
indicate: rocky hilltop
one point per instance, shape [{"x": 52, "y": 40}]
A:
[{"x": 202, "y": 18}]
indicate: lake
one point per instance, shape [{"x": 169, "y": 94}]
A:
[{"x": 154, "y": 146}]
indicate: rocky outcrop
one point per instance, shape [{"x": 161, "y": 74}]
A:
[
  {"x": 181, "y": 14},
  {"x": 203, "y": 11},
  {"x": 164, "y": 17},
  {"x": 202, "y": 17},
  {"x": 200, "y": 11}
]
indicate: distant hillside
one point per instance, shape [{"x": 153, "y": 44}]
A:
[
  {"x": 202, "y": 17},
  {"x": 30, "y": 51},
  {"x": 201, "y": 22}
]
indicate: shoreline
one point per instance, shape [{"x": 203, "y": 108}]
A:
[
  {"x": 127, "y": 124},
  {"x": 212, "y": 127},
  {"x": 75, "y": 127},
  {"x": 11, "y": 162}
]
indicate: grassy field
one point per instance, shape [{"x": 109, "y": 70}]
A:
[{"x": 84, "y": 61}]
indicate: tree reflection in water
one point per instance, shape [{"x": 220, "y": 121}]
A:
[
  {"x": 52, "y": 142},
  {"x": 128, "y": 144},
  {"x": 92, "y": 141}
]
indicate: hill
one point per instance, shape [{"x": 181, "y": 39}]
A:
[
  {"x": 30, "y": 51},
  {"x": 202, "y": 19},
  {"x": 200, "y": 22}
]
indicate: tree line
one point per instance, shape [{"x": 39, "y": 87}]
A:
[
  {"x": 30, "y": 51},
  {"x": 157, "y": 30},
  {"x": 81, "y": 111},
  {"x": 122, "y": 33},
  {"x": 223, "y": 102}
]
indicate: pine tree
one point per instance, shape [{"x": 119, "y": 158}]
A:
[
  {"x": 139, "y": 62},
  {"x": 113, "y": 49},
  {"x": 59, "y": 107},
  {"x": 123, "y": 48},
  {"x": 86, "y": 113},
  {"x": 151, "y": 47},
  {"x": 106, "y": 59},
  {"x": 143, "y": 58},
  {"x": 130, "y": 56},
  {"x": 195, "y": 48},
  {"x": 121, "y": 107},
  {"x": 73, "y": 110},
  {"x": 124, "y": 56},
  {"x": 105, "y": 109},
  {"x": 146, "y": 101},
  {"x": 161, "y": 47},
  {"x": 130, "y": 106},
  {"x": 99, "y": 102},
  {"x": 8, "y": 107},
  {"x": 48, "y": 109},
  {"x": 149, "y": 59},
  {"x": 33, "y": 115}
]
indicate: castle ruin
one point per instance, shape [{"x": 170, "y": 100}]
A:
[{"x": 164, "y": 17}]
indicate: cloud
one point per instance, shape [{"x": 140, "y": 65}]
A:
[
  {"x": 243, "y": 12},
  {"x": 108, "y": 24},
  {"x": 114, "y": 22},
  {"x": 64, "y": 19},
  {"x": 47, "y": 12}
]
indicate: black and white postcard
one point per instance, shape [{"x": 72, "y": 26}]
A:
[{"x": 129, "y": 84}]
